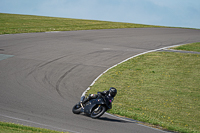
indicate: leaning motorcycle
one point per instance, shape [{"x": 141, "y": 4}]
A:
[{"x": 94, "y": 108}]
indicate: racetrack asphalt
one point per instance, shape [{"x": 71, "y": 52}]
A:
[{"x": 42, "y": 75}]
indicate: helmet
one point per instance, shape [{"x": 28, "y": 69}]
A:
[{"x": 112, "y": 91}]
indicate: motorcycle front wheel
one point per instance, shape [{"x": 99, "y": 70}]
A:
[
  {"x": 76, "y": 109},
  {"x": 98, "y": 111}
]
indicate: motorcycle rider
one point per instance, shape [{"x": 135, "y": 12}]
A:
[{"x": 110, "y": 94}]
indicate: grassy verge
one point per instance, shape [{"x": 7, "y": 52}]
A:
[
  {"x": 161, "y": 88},
  {"x": 189, "y": 47},
  {"x": 12, "y": 23},
  {"x": 16, "y": 128}
]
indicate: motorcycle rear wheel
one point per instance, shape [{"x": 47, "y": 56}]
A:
[
  {"x": 76, "y": 109},
  {"x": 98, "y": 112}
]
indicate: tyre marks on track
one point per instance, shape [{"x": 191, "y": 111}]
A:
[
  {"x": 45, "y": 78},
  {"x": 61, "y": 78}
]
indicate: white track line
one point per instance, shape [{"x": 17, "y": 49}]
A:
[
  {"x": 134, "y": 121},
  {"x": 55, "y": 128},
  {"x": 83, "y": 94}
]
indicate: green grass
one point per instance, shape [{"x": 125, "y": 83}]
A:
[
  {"x": 160, "y": 88},
  {"x": 16, "y": 128},
  {"x": 12, "y": 23},
  {"x": 189, "y": 47}
]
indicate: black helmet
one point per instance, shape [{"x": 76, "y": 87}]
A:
[{"x": 112, "y": 91}]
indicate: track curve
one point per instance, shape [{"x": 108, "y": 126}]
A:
[{"x": 42, "y": 75}]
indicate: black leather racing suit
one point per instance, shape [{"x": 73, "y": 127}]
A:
[{"x": 93, "y": 96}]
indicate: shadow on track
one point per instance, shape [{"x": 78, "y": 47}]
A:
[{"x": 116, "y": 120}]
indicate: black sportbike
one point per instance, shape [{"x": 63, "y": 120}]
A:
[{"x": 94, "y": 108}]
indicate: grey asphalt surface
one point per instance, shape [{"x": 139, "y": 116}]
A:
[{"x": 42, "y": 75}]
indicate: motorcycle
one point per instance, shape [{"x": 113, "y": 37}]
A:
[{"x": 94, "y": 108}]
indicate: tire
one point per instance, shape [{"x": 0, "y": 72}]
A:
[
  {"x": 76, "y": 109},
  {"x": 98, "y": 113}
]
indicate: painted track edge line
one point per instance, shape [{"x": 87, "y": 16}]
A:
[
  {"x": 125, "y": 61},
  {"x": 135, "y": 121},
  {"x": 28, "y": 121}
]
